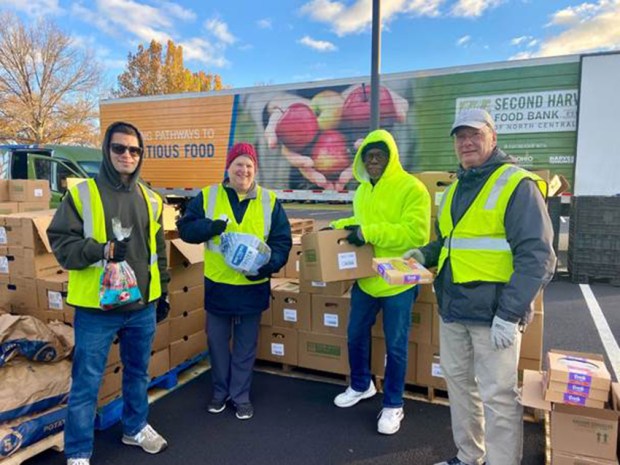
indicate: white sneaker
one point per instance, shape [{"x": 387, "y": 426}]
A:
[
  {"x": 389, "y": 420},
  {"x": 78, "y": 461},
  {"x": 149, "y": 439},
  {"x": 350, "y": 397}
]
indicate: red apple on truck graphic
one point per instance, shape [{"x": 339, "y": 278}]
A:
[
  {"x": 356, "y": 108},
  {"x": 329, "y": 153},
  {"x": 297, "y": 127}
]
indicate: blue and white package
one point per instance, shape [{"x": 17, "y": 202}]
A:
[{"x": 244, "y": 253}]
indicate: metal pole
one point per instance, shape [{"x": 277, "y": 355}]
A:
[{"x": 375, "y": 65}]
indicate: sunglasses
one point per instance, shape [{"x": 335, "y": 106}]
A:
[{"x": 120, "y": 149}]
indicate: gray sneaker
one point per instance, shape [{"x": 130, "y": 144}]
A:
[
  {"x": 78, "y": 461},
  {"x": 244, "y": 411},
  {"x": 149, "y": 439},
  {"x": 217, "y": 406}
]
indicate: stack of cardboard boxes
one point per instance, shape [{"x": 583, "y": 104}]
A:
[
  {"x": 583, "y": 403},
  {"x": 24, "y": 195},
  {"x": 307, "y": 322}
]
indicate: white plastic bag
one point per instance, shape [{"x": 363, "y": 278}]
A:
[{"x": 244, "y": 253}]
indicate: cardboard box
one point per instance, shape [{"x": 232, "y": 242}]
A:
[
  {"x": 159, "y": 364},
  {"x": 574, "y": 429},
  {"x": 532, "y": 340},
  {"x": 378, "y": 359},
  {"x": 428, "y": 369},
  {"x": 291, "y": 270},
  {"x": 277, "y": 345},
  {"x": 162, "y": 335},
  {"x": 327, "y": 256},
  {"x": 398, "y": 271},
  {"x": 6, "y": 208},
  {"x": 185, "y": 263},
  {"x": 436, "y": 322},
  {"x": 114, "y": 355},
  {"x": 530, "y": 364},
  {"x": 330, "y": 314},
  {"x": 426, "y": 294},
  {"x": 29, "y": 264},
  {"x": 4, "y": 190},
  {"x": 110, "y": 384},
  {"x": 29, "y": 190},
  {"x": 324, "y": 352},
  {"x": 421, "y": 324},
  {"x": 186, "y": 299},
  {"x": 290, "y": 307},
  {"x": 436, "y": 183},
  {"x": 33, "y": 206},
  {"x": 187, "y": 348},
  {"x": 6, "y": 261},
  {"x": 565, "y": 458},
  {"x": 336, "y": 288},
  {"x": 187, "y": 323},
  {"x": 29, "y": 230},
  {"x": 24, "y": 298},
  {"x": 52, "y": 291},
  {"x": 578, "y": 368}
]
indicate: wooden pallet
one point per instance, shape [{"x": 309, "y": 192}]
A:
[
  {"x": 55, "y": 442},
  {"x": 300, "y": 226},
  {"x": 292, "y": 371},
  {"x": 418, "y": 392},
  {"x": 547, "y": 438}
]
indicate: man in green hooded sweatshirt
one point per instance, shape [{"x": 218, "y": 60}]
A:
[{"x": 391, "y": 211}]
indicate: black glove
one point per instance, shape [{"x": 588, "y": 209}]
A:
[
  {"x": 115, "y": 250},
  {"x": 218, "y": 227},
  {"x": 326, "y": 228},
  {"x": 163, "y": 308},
  {"x": 355, "y": 237},
  {"x": 263, "y": 272}
]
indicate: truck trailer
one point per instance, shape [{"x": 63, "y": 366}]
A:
[{"x": 306, "y": 134}]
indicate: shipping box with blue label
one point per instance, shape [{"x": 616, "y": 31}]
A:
[
  {"x": 398, "y": 271},
  {"x": 328, "y": 257}
]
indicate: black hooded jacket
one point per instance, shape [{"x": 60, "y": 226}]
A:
[
  {"x": 66, "y": 233},
  {"x": 530, "y": 235}
]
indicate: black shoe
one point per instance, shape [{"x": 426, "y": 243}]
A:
[
  {"x": 217, "y": 406},
  {"x": 244, "y": 411}
]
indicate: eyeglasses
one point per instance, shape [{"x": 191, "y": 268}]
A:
[
  {"x": 377, "y": 155},
  {"x": 120, "y": 149}
]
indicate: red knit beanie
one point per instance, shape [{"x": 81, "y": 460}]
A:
[{"x": 239, "y": 149}]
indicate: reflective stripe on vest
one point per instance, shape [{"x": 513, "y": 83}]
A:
[
  {"x": 84, "y": 284},
  {"x": 266, "y": 204},
  {"x": 257, "y": 221},
  {"x": 477, "y": 246}
]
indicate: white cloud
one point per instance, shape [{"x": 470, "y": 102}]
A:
[
  {"x": 178, "y": 11},
  {"x": 220, "y": 30},
  {"x": 34, "y": 7},
  {"x": 589, "y": 27},
  {"x": 462, "y": 41},
  {"x": 357, "y": 17},
  {"x": 319, "y": 45},
  {"x": 200, "y": 50},
  {"x": 520, "y": 40},
  {"x": 473, "y": 8},
  {"x": 264, "y": 23}
]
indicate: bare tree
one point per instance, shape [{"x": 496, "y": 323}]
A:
[{"x": 47, "y": 85}]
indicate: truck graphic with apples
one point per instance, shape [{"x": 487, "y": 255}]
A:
[{"x": 306, "y": 134}]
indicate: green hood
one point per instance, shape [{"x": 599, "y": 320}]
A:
[{"x": 393, "y": 167}]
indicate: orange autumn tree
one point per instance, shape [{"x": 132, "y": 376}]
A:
[{"x": 150, "y": 72}]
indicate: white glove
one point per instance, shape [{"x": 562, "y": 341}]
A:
[
  {"x": 503, "y": 333},
  {"x": 416, "y": 254}
]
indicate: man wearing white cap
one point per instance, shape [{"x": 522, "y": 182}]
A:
[{"x": 493, "y": 255}]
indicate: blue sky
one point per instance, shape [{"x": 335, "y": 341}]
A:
[{"x": 254, "y": 42}]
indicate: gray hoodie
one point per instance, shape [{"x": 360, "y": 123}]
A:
[
  {"x": 66, "y": 234},
  {"x": 530, "y": 235}
]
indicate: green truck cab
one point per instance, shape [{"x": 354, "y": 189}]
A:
[{"x": 53, "y": 163}]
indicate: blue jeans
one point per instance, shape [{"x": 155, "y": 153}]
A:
[
  {"x": 396, "y": 324},
  {"x": 94, "y": 332}
]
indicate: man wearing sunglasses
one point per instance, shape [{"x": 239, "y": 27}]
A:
[{"x": 82, "y": 238}]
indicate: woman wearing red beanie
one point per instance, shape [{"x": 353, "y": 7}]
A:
[{"x": 233, "y": 301}]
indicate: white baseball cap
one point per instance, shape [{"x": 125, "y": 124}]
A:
[{"x": 472, "y": 118}]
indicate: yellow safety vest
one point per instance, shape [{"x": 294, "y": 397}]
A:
[
  {"x": 256, "y": 221},
  {"x": 84, "y": 284},
  {"x": 477, "y": 245}
]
